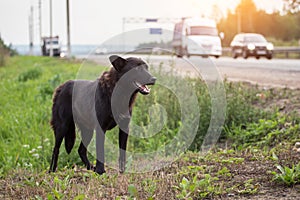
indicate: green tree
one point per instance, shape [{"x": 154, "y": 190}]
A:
[
  {"x": 246, "y": 11},
  {"x": 248, "y": 19},
  {"x": 228, "y": 26},
  {"x": 5, "y": 51}
]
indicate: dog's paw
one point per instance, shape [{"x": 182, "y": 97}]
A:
[
  {"x": 90, "y": 167},
  {"x": 99, "y": 171},
  {"x": 51, "y": 171},
  {"x": 122, "y": 167}
]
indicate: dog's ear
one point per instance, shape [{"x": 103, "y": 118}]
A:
[{"x": 118, "y": 62}]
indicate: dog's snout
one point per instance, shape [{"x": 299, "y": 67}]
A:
[{"x": 153, "y": 79}]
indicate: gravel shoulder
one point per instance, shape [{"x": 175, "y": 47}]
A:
[{"x": 264, "y": 77}]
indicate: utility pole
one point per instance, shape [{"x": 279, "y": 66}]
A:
[
  {"x": 51, "y": 31},
  {"x": 30, "y": 20},
  {"x": 40, "y": 21},
  {"x": 68, "y": 30}
]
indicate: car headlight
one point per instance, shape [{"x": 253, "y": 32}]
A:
[
  {"x": 251, "y": 46},
  {"x": 270, "y": 46}
]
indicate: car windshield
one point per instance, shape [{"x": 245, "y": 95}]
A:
[
  {"x": 53, "y": 42},
  {"x": 203, "y": 30},
  {"x": 255, "y": 38}
]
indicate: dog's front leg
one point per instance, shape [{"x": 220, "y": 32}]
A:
[
  {"x": 100, "y": 137},
  {"x": 122, "y": 148}
]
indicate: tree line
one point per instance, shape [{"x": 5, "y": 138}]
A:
[
  {"x": 5, "y": 51},
  {"x": 280, "y": 26}
]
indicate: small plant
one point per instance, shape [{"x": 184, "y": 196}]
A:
[
  {"x": 133, "y": 192},
  {"x": 150, "y": 187},
  {"x": 31, "y": 74},
  {"x": 194, "y": 188},
  {"x": 224, "y": 172},
  {"x": 286, "y": 175},
  {"x": 248, "y": 187}
]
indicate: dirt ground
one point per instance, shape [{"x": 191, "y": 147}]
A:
[{"x": 249, "y": 177}]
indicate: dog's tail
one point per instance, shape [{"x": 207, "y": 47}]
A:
[
  {"x": 67, "y": 127},
  {"x": 55, "y": 108}
]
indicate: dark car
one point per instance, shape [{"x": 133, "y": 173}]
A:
[{"x": 251, "y": 44}]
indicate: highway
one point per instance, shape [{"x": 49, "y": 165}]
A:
[{"x": 267, "y": 73}]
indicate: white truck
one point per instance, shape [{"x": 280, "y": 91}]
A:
[
  {"x": 49, "y": 43},
  {"x": 197, "y": 36}
]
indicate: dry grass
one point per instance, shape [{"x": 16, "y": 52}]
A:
[{"x": 237, "y": 175}]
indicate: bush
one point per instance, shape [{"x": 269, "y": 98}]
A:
[
  {"x": 31, "y": 74},
  {"x": 46, "y": 89},
  {"x": 240, "y": 110},
  {"x": 265, "y": 132}
]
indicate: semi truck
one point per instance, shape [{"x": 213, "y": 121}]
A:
[
  {"x": 197, "y": 36},
  {"x": 51, "y": 42}
]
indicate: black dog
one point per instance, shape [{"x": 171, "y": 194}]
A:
[{"x": 98, "y": 105}]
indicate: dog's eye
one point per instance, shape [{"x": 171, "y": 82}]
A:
[{"x": 140, "y": 67}]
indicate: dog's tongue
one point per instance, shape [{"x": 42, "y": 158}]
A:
[{"x": 144, "y": 89}]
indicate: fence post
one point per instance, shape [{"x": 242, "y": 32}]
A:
[{"x": 286, "y": 54}]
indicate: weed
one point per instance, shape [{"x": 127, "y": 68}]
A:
[
  {"x": 195, "y": 188},
  {"x": 133, "y": 192},
  {"x": 246, "y": 188},
  {"x": 149, "y": 187},
  {"x": 286, "y": 175}
]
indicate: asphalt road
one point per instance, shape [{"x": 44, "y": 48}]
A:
[{"x": 268, "y": 73}]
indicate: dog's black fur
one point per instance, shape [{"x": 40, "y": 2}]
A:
[{"x": 88, "y": 104}]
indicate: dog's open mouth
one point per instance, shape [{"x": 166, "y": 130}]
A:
[{"x": 143, "y": 89}]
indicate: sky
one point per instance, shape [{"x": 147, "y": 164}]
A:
[{"x": 95, "y": 21}]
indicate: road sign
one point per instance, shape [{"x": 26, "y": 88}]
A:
[
  {"x": 156, "y": 31},
  {"x": 151, "y": 20}
]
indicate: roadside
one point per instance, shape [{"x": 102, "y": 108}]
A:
[{"x": 278, "y": 73}]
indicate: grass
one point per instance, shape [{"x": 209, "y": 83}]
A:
[
  {"x": 27, "y": 84},
  {"x": 257, "y": 137}
]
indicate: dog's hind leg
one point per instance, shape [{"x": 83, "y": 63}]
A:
[
  {"x": 86, "y": 137},
  {"x": 59, "y": 136}
]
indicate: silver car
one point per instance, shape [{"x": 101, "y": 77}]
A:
[{"x": 251, "y": 44}]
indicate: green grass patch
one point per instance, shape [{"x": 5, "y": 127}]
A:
[
  {"x": 27, "y": 85},
  {"x": 255, "y": 126}
]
